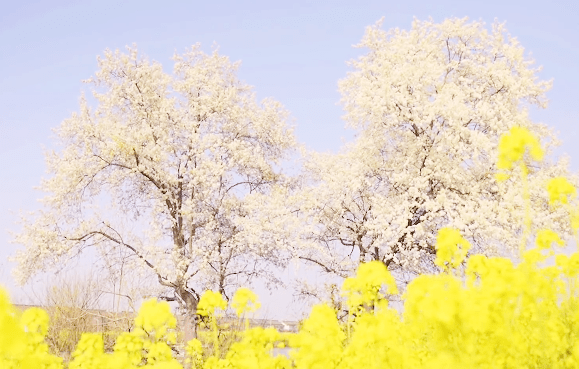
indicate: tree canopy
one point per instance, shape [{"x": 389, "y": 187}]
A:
[
  {"x": 429, "y": 106},
  {"x": 180, "y": 151}
]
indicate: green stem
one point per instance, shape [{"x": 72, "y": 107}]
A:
[
  {"x": 527, "y": 199},
  {"x": 215, "y": 336},
  {"x": 348, "y": 323},
  {"x": 571, "y": 216}
]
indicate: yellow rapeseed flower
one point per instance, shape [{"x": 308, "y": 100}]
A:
[
  {"x": 36, "y": 321},
  {"x": 11, "y": 333},
  {"x": 130, "y": 345},
  {"x": 155, "y": 317},
  {"x": 364, "y": 287},
  {"x": 210, "y": 300},
  {"x": 569, "y": 265},
  {"x": 546, "y": 237},
  {"x": 89, "y": 352},
  {"x": 512, "y": 147},
  {"x": 574, "y": 219},
  {"x": 244, "y": 301},
  {"x": 319, "y": 343},
  {"x": 448, "y": 252},
  {"x": 559, "y": 188}
]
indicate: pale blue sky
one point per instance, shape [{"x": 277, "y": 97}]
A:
[{"x": 294, "y": 51}]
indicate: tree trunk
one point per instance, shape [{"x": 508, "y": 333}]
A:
[{"x": 189, "y": 301}]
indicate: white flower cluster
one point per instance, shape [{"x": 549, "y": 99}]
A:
[
  {"x": 429, "y": 106},
  {"x": 181, "y": 150}
]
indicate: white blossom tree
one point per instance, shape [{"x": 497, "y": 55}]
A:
[
  {"x": 180, "y": 152},
  {"x": 429, "y": 106}
]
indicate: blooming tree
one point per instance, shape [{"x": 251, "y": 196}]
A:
[
  {"x": 180, "y": 152},
  {"x": 429, "y": 106}
]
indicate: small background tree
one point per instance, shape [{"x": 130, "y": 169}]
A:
[{"x": 75, "y": 305}]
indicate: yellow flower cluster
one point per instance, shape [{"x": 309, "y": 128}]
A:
[
  {"x": 364, "y": 288},
  {"x": 513, "y": 145},
  {"x": 559, "y": 188},
  {"x": 320, "y": 342},
  {"x": 210, "y": 301},
  {"x": 496, "y": 315},
  {"x": 22, "y": 343},
  {"x": 448, "y": 252},
  {"x": 155, "y": 320},
  {"x": 253, "y": 351},
  {"x": 194, "y": 352},
  {"x": 244, "y": 301},
  {"x": 89, "y": 352},
  {"x": 490, "y": 314}
]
